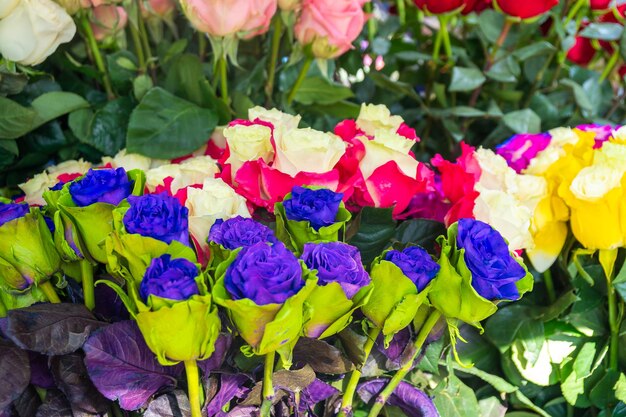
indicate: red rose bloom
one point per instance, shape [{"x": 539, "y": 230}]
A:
[
  {"x": 441, "y": 6},
  {"x": 525, "y": 9}
]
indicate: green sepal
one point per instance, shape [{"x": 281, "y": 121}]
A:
[
  {"x": 139, "y": 178},
  {"x": 26, "y": 244},
  {"x": 270, "y": 327},
  {"x": 395, "y": 300},
  {"x": 14, "y": 301},
  {"x": 527, "y": 283},
  {"x": 294, "y": 234},
  {"x": 64, "y": 228},
  {"x": 330, "y": 311}
]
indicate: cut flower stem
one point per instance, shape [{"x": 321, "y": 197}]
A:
[{"x": 268, "y": 386}]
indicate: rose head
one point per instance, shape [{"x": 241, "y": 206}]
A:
[
  {"x": 12, "y": 211},
  {"x": 522, "y": 148},
  {"x": 240, "y": 232},
  {"x": 336, "y": 262},
  {"x": 101, "y": 186},
  {"x": 525, "y": 9},
  {"x": 416, "y": 264},
  {"x": 439, "y": 6},
  {"x": 265, "y": 274},
  {"x": 159, "y": 216},
  {"x": 494, "y": 270},
  {"x": 318, "y": 207},
  {"x": 173, "y": 279}
]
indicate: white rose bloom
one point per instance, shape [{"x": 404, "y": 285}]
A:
[
  {"x": 613, "y": 154},
  {"x": 7, "y": 6},
  {"x": 248, "y": 143},
  {"x": 277, "y": 118},
  {"x": 130, "y": 161},
  {"x": 561, "y": 136},
  {"x": 216, "y": 200},
  {"x": 307, "y": 150},
  {"x": 375, "y": 117},
  {"x": 69, "y": 167},
  {"x": 36, "y": 186},
  {"x": 495, "y": 172},
  {"x": 595, "y": 181},
  {"x": 529, "y": 190},
  {"x": 620, "y": 134},
  {"x": 504, "y": 213},
  {"x": 388, "y": 146},
  {"x": 33, "y": 30},
  {"x": 189, "y": 172}
]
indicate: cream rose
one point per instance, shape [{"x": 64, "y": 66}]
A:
[
  {"x": 130, "y": 161},
  {"x": 307, "y": 150},
  {"x": 33, "y": 29},
  {"x": 373, "y": 117},
  {"x": 7, "y": 6},
  {"x": 216, "y": 200},
  {"x": 595, "y": 181},
  {"x": 277, "y": 118},
  {"x": 40, "y": 183},
  {"x": 248, "y": 143},
  {"x": 388, "y": 146},
  {"x": 189, "y": 172}
]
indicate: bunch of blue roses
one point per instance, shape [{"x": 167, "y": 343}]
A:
[{"x": 248, "y": 325}]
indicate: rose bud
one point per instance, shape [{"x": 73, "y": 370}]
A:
[{"x": 528, "y": 9}]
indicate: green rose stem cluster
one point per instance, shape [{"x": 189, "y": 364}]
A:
[
  {"x": 27, "y": 254},
  {"x": 477, "y": 270}
]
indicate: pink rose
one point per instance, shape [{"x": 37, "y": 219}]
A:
[
  {"x": 330, "y": 26},
  {"x": 243, "y": 18},
  {"x": 161, "y": 8},
  {"x": 107, "y": 20}
]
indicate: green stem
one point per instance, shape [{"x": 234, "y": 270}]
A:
[
  {"x": 144, "y": 39},
  {"x": 547, "y": 280},
  {"x": 399, "y": 376},
  {"x": 303, "y": 72},
  {"x": 614, "y": 328},
  {"x": 574, "y": 11},
  {"x": 437, "y": 45},
  {"x": 268, "y": 387},
  {"x": 444, "y": 20},
  {"x": 201, "y": 45},
  {"x": 193, "y": 387},
  {"x": 271, "y": 74},
  {"x": 49, "y": 292},
  {"x": 134, "y": 33},
  {"x": 401, "y": 11},
  {"x": 92, "y": 44},
  {"x": 610, "y": 65},
  {"x": 3, "y": 309},
  {"x": 371, "y": 23},
  {"x": 224, "y": 79},
  {"x": 86, "y": 271},
  {"x": 355, "y": 376}
]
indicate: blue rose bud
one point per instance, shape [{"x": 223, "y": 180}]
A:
[
  {"x": 12, "y": 211},
  {"x": 487, "y": 256},
  {"x": 318, "y": 207},
  {"x": 159, "y": 216},
  {"x": 265, "y": 274},
  {"x": 336, "y": 262},
  {"x": 101, "y": 186},
  {"x": 240, "y": 232},
  {"x": 416, "y": 264},
  {"x": 169, "y": 278}
]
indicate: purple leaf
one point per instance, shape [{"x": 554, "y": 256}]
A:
[
  {"x": 109, "y": 305},
  {"x": 122, "y": 367},
  {"x": 40, "y": 375},
  {"x": 14, "y": 373},
  {"x": 316, "y": 392},
  {"x": 172, "y": 404},
  {"x": 55, "y": 405},
  {"x": 28, "y": 403},
  {"x": 245, "y": 411},
  {"x": 222, "y": 344},
  {"x": 412, "y": 401},
  {"x": 400, "y": 349},
  {"x": 231, "y": 386}
]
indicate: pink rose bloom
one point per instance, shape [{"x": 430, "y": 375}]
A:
[
  {"x": 160, "y": 8},
  {"x": 107, "y": 20},
  {"x": 520, "y": 149},
  {"x": 330, "y": 26},
  {"x": 603, "y": 133},
  {"x": 221, "y": 18}
]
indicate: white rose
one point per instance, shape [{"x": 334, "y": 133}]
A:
[
  {"x": 307, "y": 150},
  {"x": 72, "y": 166},
  {"x": 248, "y": 143},
  {"x": 613, "y": 154},
  {"x": 7, "y": 6},
  {"x": 504, "y": 213},
  {"x": 495, "y": 172},
  {"x": 33, "y": 30},
  {"x": 377, "y": 117},
  {"x": 130, "y": 161},
  {"x": 388, "y": 146},
  {"x": 620, "y": 134},
  {"x": 595, "y": 181},
  {"x": 277, "y": 118},
  {"x": 529, "y": 190},
  {"x": 560, "y": 137},
  {"x": 36, "y": 186},
  {"x": 189, "y": 172},
  {"x": 216, "y": 200}
]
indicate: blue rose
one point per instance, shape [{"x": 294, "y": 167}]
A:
[
  {"x": 265, "y": 274},
  {"x": 336, "y": 262},
  {"x": 159, "y": 216},
  {"x": 240, "y": 232},
  {"x": 12, "y": 211},
  {"x": 174, "y": 279},
  {"x": 318, "y": 207},
  {"x": 487, "y": 256},
  {"x": 101, "y": 186},
  {"x": 416, "y": 264}
]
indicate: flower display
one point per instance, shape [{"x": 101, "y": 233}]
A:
[
  {"x": 240, "y": 232},
  {"x": 101, "y": 186},
  {"x": 169, "y": 278},
  {"x": 319, "y": 208},
  {"x": 158, "y": 216}
]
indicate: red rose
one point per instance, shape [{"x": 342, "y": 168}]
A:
[
  {"x": 525, "y": 9},
  {"x": 440, "y": 6},
  {"x": 583, "y": 51},
  {"x": 599, "y": 4},
  {"x": 476, "y": 6}
]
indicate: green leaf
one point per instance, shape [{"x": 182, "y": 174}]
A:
[
  {"x": 319, "y": 90},
  {"x": 503, "y": 326},
  {"x": 398, "y": 87},
  {"x": 619, "y": 282},
  {"x": 620, "y": 387},
  {"x": 457, "y": 399},
  {"x": 51, "y": 105},
  {"x": 505, "y": 70},
  {"x": 573, "y": 384},
  {"x": 491, "y": 407},
  {"x": 535, "y": 49},
  {"x": 523, "y": 121},
  {"x": 79, "y": 122},
  {"x": 579, "y": 94},
  {"x": 530, "y": 338},
  {"x": 164, "y": 126},
  {"x": 603, "y": 31},
  {"x": 15, "y": 120},
  {"x": 560, "y": 305},
  {"x": 622, "y": 45},
  {"x": 465, "y": 79},
  {"x": 108, "y": 126},
  {"x": 183, "y": 78},
  {"x": 431, "y": 357},
  {"x": 465, "y": 111},
  {"x": 603, "y": 393},
  {"x": 376, "y": 228},
  {"x": 490, "y": 23},
  {"x": 420, "y": 232}
]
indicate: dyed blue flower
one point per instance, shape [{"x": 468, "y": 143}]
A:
[
  {"x": 318, "y": 207},
  {"x": 159, "y": 216},
  {"x": 12, "y": 211},
  {"x": 240, "y": 232},
  {"x": 101, "y": 186},
  {"x": 416, "y": 264},
  {"x": 174, "y": 279}
]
